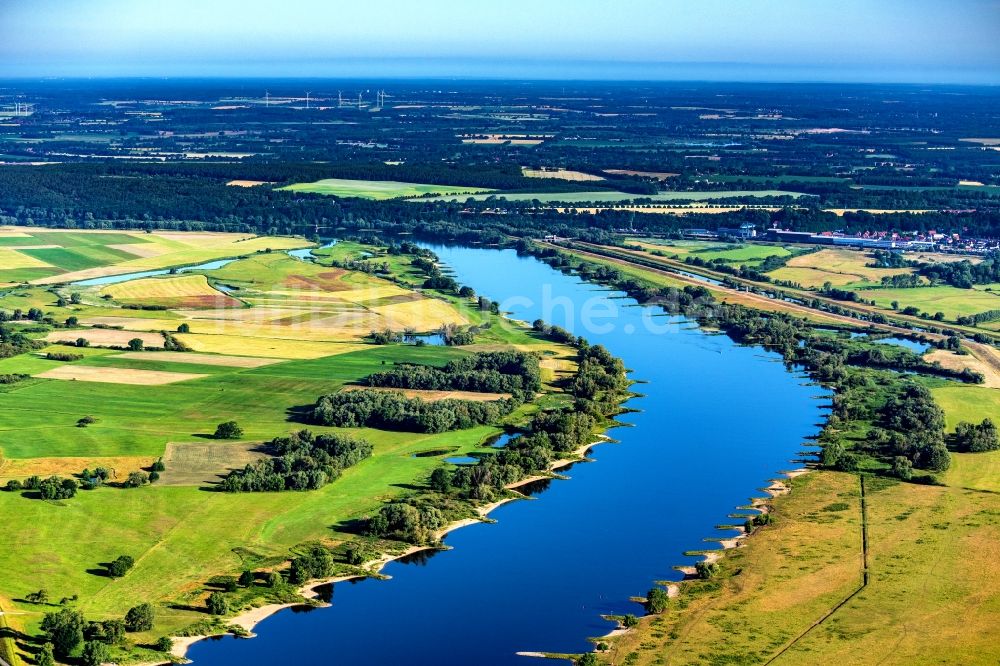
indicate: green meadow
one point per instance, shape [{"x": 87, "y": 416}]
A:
[{"x": 378, "y": 189}]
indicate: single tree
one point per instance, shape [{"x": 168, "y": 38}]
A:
[
  {"x": 95, "y": 653},
  {"x": 657, "y": 600},
  {"x": 135, "y": 344},
  {"x": 217, "y": 603},
  {"x": 45, "y": 656},
  {"x": 139, "y": 618},
  {"x": 121, "y": 566},
  {"x": 65, "y": 630},
  {"x": 228, "y": 430}
]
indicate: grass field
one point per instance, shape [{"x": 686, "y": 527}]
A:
[
  {"x": 378, "y": 189},
  {"x": 932, "y": 597},
  {"x": 743, "y": 254},
  {"x": 838, "y": 266},
  {"x": 952, "y": 301}
]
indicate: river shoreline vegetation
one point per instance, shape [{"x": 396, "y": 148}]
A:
[{"x": 231, "y": 372}]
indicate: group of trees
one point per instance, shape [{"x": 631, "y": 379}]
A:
[
  {"x": 67, "y": 629},
  {"x": 978, "y": 318},
  {"x": 14, "y": 342},
  {"x": 976, "y": 437},
  {"x": 392, "y": 410},
  {"x": 964, "y": 274},
  {"x": 512, "y": 372},
  {"x": 409, "y": 520},
  {"x": 301, "y": 461},
  {"x": 549, "y": 433},
  {"x": 52, "y": 488}
]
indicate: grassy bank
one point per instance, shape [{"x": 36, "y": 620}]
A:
[{"x": 932, "y": 595}]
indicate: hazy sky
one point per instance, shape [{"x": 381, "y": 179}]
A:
[{"x": 855, "y": 40}]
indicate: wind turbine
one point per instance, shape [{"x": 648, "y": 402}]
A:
[
  {"x": 340, "y": 99},
  {"x": 307, "y": 98},
  {"x": 267, "y": 98}
]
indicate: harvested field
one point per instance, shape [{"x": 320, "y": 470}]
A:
[
  {"x": 101, "y": 337},
  {"x": 120, "y": 466},
  {"x": 186, "y": 291},
  {"x": 144, "y": 250},
  {"x": 659, "y": 175},
  {"x": 105, "y": 375},
  {"x": 200, "y": 464},
  {"x": 433, "y": 396},
  {"x": 837, "y": 266},
  {"x": 560, "y": 174},
  {"x": 264, "y": 347},
  {"x": 248, "y": 183},
  {"x": 202, "y": 359},
  {"x": 11, "y": 258},
  {"x": 953, "y": 361}
]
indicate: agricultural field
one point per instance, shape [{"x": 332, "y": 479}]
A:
[
  {"x": 378, "y": 189},
  {"x": 186, "y": 291},
  {"x": 560, "y": 174},
  {"x": 839, "y": 266},
  {"x": 305, "y": 340},
  {"x": 952, "y": 301},
  {"x": 47, "y": 256},
  {"x": 744, "y": 254}
]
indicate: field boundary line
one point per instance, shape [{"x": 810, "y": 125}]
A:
[{"x": 864, "y": 579}]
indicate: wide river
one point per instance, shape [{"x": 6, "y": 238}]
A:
[{"x": 717, "y": 420}]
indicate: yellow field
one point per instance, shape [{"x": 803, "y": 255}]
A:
[
  {"x": 953, "y": 361},
  {"x": 238, "y": 345},
  {"x": 11, "y": 258},
  {"x": 120, "y": 466},
  {"x": 201, "y": 359},
  {"x": 102, "y": 337},
  {"x": 838, "y": 266},
  {"x": 166, "y": 287},
  {"x": 86, "y": 373},
  {"x": 560, "y": 174},
  {"x": 177, "y": 248}
]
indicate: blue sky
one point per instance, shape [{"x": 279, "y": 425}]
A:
[{"x": 955, "y": 41}]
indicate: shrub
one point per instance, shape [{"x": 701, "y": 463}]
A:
[{"x": 657, "y": 600}]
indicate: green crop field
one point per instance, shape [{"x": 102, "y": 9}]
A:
[
  {"x": 378, "y": 189},
  {"x": 952, "y": 301}
]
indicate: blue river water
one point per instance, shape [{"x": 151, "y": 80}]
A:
[{"x": 717, "y": 421}]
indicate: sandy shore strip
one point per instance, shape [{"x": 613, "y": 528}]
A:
[{"x": 249, "y": 619}]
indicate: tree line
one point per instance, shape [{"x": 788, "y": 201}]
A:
[
  {"x": 512, "y": 372},
  {"x": 392, "y": 410}
]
